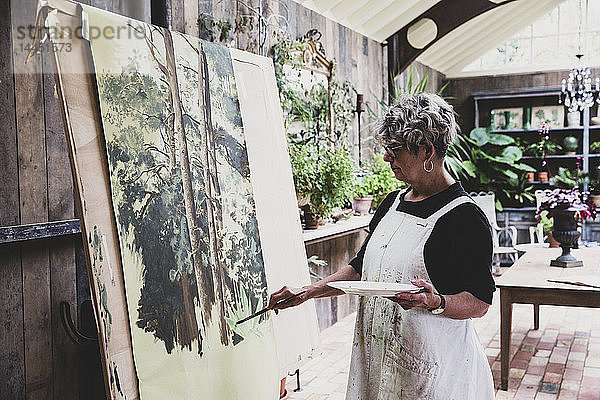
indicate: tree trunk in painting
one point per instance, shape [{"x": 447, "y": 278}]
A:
[
  {"x": 213, "y": 196},
  {"x": 188, "y": 195}
]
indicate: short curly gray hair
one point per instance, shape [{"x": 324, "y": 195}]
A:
[{"x": 416, "y": 119}]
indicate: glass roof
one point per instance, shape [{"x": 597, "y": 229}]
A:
[{"x": 548, "y": 43}]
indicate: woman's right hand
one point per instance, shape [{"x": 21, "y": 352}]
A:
[{"x": 286, "y": 293}]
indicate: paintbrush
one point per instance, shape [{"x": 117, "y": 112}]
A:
[
  {"x": 576, "y": 283},
  {"x": 264, "y": 310}
]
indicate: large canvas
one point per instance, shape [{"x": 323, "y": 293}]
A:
[
  {"x": 280, "y": 234},
  {"x": 185, "y": 215}
]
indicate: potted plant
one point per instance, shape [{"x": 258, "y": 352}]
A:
[
  {"x": 566, "y": 207},
  {"x": 363, "y": 193},
  {"x": 323, "y": 176},
  {"x": 496, "y": 163},
  {"x": 595, "y": 147},
  {"x": 378, "y": 181}
]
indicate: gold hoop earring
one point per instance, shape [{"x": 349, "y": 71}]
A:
[{"x": 425, "y": 168}]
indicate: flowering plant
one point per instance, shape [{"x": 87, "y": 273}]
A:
[{"x": 563, "y": 199}]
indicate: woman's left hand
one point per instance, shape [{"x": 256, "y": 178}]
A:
[{"x": 426, "y": 299}]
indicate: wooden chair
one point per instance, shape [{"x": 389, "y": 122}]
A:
[{"x": 487, "y": 202}]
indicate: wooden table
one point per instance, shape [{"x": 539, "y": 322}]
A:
[{"x": 526, "y": 282}]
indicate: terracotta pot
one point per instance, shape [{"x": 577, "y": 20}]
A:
[
  {"x": 530, "y": 176},
  {"x": 362, "y": 205},
  {"x": 542, "y": 176},
  {"x": 553, "y": 242}
]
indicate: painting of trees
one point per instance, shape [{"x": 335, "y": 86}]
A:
[{"x": 181, "y": 188}]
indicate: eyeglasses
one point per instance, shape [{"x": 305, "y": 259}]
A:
[{"x": 390, "y": 152}]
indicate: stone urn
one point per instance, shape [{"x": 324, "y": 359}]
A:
[{"x": 566, "y": 233}]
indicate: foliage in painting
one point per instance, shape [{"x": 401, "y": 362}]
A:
[{"x": 180, "y": 183}]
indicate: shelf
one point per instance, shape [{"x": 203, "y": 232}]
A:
[
  {"x": 565, "y": 129},
  {"x": 509, "y": 209},
  {"x": 519, "y": 93},
  {"x": 335, "y": 230},
  {"x": 555, "y": 156}
]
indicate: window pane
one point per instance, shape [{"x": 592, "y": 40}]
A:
[
  {"x": 592, "y": 55},
  {"x": 544, "y": 50},
  {"x": 568, "y": 48},
  {"x": 494, "y": 58},
  {"x": 525, "y": 33},
  {"x": 593, "y": 16},
  {"x": 569, "y": 16},
  {"x": 519, "y": 51},
  {"x": 546, "y": 25}
]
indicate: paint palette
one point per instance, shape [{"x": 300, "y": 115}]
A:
[{"x": 366, "y": 288}]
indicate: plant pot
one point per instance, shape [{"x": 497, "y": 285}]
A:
[
  {"x": 530, "y": 176},
  {"x": 311, "y": 221},
  {"x": 565, "y": 231},
  {"x": 542, "y": 176},
  {"x": 362, "y": 205}
]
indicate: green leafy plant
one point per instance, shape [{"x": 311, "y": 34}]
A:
[
  {"x": 543, "y": 147},
  {"x": 566, "y": 179},
  {"x": 522, "y": 193},
  {"x": 324, "y": 175},
  {"x": 547, "y": 222},
  {"x": 308, "y": 107},
  {"x": 595, "y": 147},
  {"x": 496, "y": 165},
  {"x": 215, "y": 30},
  {"x": 378, "y": 181}
]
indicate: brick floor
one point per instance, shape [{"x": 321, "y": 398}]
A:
[{"x": 561, "y": 361}]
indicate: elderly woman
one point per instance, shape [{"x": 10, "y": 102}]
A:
[{"x": 419, "y": 346}]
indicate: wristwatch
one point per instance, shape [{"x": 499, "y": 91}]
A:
[{"x": 439, "y": 309}]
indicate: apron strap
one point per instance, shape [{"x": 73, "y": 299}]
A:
[{"x": 453, "y": 204}]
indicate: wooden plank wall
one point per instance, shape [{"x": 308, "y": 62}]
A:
[
  {"x": 359, "y": 59},
  {"x": 37, "y": 359}
]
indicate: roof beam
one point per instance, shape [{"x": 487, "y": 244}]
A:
[
  {"x": 325, "y": 5},
  {"x": 447, "y": 15},
  {"x": 369, "y": 8},
  {"x": 345, "y": 8},
  {"x": 387, "y": 21}
]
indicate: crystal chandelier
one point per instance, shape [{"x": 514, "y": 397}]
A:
[{"x": 577, "y": 93}]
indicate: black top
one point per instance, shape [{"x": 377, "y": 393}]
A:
[{"x": 458, "y": 253}]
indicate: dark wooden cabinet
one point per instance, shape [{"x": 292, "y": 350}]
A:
[{"x": 586, "y": 134}]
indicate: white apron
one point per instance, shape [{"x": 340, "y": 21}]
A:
[{"x": 412, "y": 354}]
